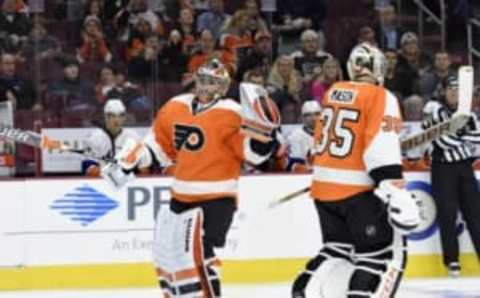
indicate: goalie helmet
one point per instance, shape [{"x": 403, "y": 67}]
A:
[
  {"x": 368, "y": 61},
  {"x": 211, "y": 80}
]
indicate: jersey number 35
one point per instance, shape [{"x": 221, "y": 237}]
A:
[{"x": 335, "y": 136}]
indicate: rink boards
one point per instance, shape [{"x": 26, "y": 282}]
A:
[{"x": 74, "y": 233}]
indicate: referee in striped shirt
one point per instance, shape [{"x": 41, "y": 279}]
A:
[{"x": 453, "y": 181}]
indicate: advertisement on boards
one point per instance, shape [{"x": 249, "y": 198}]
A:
[{"x": 85, "y": 221}]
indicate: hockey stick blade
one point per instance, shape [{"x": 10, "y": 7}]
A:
[{"x": 465, "y": 92}]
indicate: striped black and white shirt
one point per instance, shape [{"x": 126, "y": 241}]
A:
[{"x": 452, "y": 147}]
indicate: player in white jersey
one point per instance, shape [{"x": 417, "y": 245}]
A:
[
  {"x": 106, "y": 141},
  {"x": 300, "y": 142}
]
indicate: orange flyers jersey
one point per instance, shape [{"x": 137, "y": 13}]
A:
[
  {"x": 207, "y": 147},
  {"x": 358, "y": 131}
]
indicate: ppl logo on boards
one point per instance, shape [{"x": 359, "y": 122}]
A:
[
  {"x": 84, "y": 205},
  {"x": 428, "y": 211}
]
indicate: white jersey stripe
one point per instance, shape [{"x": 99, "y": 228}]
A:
[
  {"x": 204, "y": 187},
  {"x": 347, "y": 177}
]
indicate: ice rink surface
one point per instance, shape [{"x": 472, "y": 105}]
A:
[{"x": 420, "y": 288}]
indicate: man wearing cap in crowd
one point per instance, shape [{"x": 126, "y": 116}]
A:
[
  {"x": 259, "y": 57},
  {"x": 300, "y": 142},
  {"x": 454, "y": 185},
  {"x": 104, "y": 142}
]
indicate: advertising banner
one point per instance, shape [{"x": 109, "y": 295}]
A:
[{"x": 77, "y": 221}]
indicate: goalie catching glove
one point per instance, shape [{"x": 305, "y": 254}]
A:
[
  {"x": 132, "y": 156},
  {"x": 403, "y": 212}
]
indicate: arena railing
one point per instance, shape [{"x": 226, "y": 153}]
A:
[
  {"x": 473, "y": 24},
  {"x": 440, "y": 20}
]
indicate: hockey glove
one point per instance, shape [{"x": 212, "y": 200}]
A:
[
  {"x": 132, "y": 156},
  {"x": 403, "y": 212}
]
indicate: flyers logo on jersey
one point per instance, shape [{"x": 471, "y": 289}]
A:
[
  {"x": 189, "y": 137},
  {"x": 343, "y": 96}
]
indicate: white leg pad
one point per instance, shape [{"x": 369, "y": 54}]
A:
[
  {"x": 178, "y": 254},
  {"x": 332, "y": 278}
]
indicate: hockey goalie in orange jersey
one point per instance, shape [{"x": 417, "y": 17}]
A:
[
  {"x": 363, "y": 209},
  {"x": 200, "y": 136}
]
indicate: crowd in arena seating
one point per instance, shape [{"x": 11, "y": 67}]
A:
[{"x": 61, "y": 60}]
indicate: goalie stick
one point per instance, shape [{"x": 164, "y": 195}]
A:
[
  {"x": 43, "y": 142},
  {"x": 458, "y": 120}
]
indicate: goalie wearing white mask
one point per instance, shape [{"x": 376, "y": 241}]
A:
[
  {"x": 300, "y": 141},
  {"x": 358, "y": 187},
  {"x": 199, "y": 134}
]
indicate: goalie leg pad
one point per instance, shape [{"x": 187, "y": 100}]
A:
[
  {"x": 320, "y": 267},
  {"x": 378, "y": 273},
  {"x": 178, "y": 254}
]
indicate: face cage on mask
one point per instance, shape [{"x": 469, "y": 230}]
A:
[{"x": 209, "y": 86}]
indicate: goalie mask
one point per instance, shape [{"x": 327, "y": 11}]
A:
[
  {"x": 211, "y": 81},
  {"x": 367, "y": 61}
]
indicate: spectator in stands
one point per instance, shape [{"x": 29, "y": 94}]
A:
[
  {"x": 367, "y": 34},
  {"x": 187, "y": 30},
  {"x": 40, "y": 45},
  {"x": 158, "y": 61},
  {"x": 112, "y": 8},
  {"x": 389, "y": 32},
  {"x": 208, "y": 51},
  {"x": 411, "y": 64},
  {"x": 127, "y": 18},
  {"x": 412, "y": 108},
  {"x": 18, "y": 89},
  {"x": 213, "y": 19},
  {"x": 330, "y": 72},
  {"x": 293, "y": 17},
  {"x": 71, "y": 92},
  {"x": 236, "y": 37},
  {"x": 258, "y": 57},
  {"x": 113, "y": 85},
  {"x": 175, "y": 56},
  {"x": 433, "y": 82},
  {"x": 144, "y": 68},
  {"x": 400, "y": 85},
  {"x": 94, "y": 8},
  {"x": 93, "y": 47},
  {"x": 284, "y": 84},
  {"x": 14, "y": 25},
  {"x": 138, "y": 35},
  {"x": 311, "y": 54},
  {"x": 106, "y": 84},
  {"x": 256, "y": 21},
  {"x": 305, "y": 14},
  {"x": 108, "y": 139}
]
